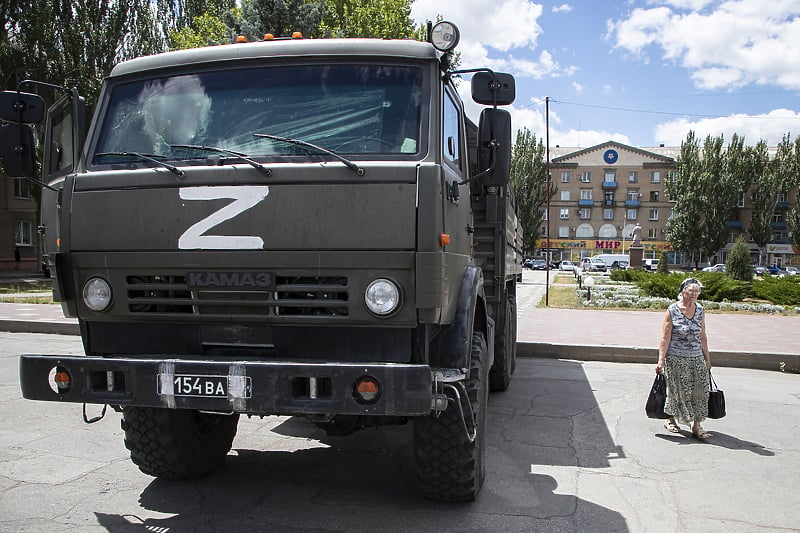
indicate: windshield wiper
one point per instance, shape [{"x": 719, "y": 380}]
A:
[
  {"x": 237, "y": 155},
  {"x": 147, "y": 157},
  {"x": 349, "y": 164}
]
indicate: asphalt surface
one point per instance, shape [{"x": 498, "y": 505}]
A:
[{"x": 569, "y": 449}]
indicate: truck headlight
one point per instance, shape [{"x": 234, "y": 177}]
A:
[
  {"x": 445, "y": 36},
  {"x": 97, "y": 294},
  {"x": 382, "y": 297}
]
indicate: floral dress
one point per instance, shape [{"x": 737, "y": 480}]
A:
[{"x": 685, "y": 368}]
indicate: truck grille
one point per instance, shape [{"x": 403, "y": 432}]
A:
[{"x": 292, "y": 296}]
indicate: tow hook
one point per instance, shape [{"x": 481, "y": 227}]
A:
[
  {"x": 448, "y": 388},
  {"x": 95, "y": 419}
]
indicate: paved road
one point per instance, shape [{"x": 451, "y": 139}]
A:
[{"x": 570, "y": 449}]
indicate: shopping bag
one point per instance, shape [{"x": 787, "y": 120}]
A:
[
  {"x": 657, "y": 398},
  {"x": 716, "y": 400}
]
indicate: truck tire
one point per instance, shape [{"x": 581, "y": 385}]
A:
[
  {"x": 177, "y": 443},
  {"x": 505, "y": 349},
  {"x": 449, "y": 466}
]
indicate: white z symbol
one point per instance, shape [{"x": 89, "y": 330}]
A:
[{"x": 243, "y": 199}]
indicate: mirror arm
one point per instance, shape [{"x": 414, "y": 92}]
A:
[{"x": 493, "y": 146}]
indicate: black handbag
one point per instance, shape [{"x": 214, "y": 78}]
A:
[
  {"x": 716, "y": 400},
  {"x": 657, "y": 398}
]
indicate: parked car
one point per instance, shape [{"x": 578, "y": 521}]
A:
[
  {"x": 593, "y": 264},
  {"x": 759, "y": 270},
  {"x": 719, "y": 267},
  {"x": 791, "y": 270},
  {"x": 650, "y": 264},
  {"x": 528, "y": 263},
  {"x": 566, "y": 266},
  {"x": 539, "y": 264},
  {"x": 774, "y": 270},
  {"x": 622, "y": 265}
]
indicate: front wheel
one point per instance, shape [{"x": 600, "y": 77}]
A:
[
  {"x": 450, "y": 467},
  {"x": 177, "y": 443},
  {"x": 505, "y": 348}
]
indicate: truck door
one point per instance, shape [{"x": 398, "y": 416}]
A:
[{"x": 454, "y": 157}]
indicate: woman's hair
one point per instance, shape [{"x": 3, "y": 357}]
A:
[{"x": 686, "y": 283}]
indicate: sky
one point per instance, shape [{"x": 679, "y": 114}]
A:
[{"x": 640, "y": 72}]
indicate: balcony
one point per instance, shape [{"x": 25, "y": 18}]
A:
[
  {"x": 585, "y": 203},
  {"x": 782, "y": 205},
  {"x": 735, "y": 224},
  {"x": 633, "y": 203},
  {"x": 778, "y": 225},
  {"x": 609, "y": 185}
]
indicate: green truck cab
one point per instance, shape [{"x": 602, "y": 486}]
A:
[{"x": 296, "y": 227}]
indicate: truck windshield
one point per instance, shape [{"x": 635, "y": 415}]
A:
[{"x": 353, "y": 109}]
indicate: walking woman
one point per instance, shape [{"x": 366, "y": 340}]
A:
[{"x": 684, "y": 359}]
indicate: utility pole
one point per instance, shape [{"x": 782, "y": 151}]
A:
[{"x": 547, "y": 179}]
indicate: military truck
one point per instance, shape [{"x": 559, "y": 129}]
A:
[{"x": 286, "y": 227}]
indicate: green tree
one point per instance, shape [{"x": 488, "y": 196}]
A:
[
  {"x": 683, "y": 227},
  {"x": 205, "y": 30},
  {"x": 279, "y": 17},
  {"x": 384, "y": 19},
  {"x": 738, "y": 264},
  {"x": 528, "y": 172},
  {"x": 663, "y": 263},
  {"x": 90, "y": 37},
  {"x": 778, "y": 176}
]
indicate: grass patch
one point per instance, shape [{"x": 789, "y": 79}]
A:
[
  {"x": 26, "y": 299},
  {"x": 25, "y": 287}
]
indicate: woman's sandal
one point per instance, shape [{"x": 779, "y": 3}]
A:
[
  {"x": 700, "y": 433},
  {"x": 672, "y": 426}
]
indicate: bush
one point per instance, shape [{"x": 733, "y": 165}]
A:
[
  {"x": 782, "y": 291},
  {"x": 663, "y": 263},
  {"x": 738, "y": 265}
]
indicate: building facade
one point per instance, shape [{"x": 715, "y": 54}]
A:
[
  {"x": 604, "y": 191},
  {"x": 19, "y": 249}
]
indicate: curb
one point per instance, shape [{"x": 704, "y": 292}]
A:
[
  {"x": 624, "y": 354},
  {"x": 50, "y": 328}
]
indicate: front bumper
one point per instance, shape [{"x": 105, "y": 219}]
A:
[{"x": 255, "y": 387}]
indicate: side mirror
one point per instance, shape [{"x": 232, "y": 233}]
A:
[
  {"x": 493, "y": 88},
  {"x": 21, "y": 107},
  {"x": 494, "y": 147},
  {"x": 18, "y": 150}
]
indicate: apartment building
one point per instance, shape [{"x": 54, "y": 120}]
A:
[
  {"x": 604, "y": 191},
  {"x": 19, "y": 248}
]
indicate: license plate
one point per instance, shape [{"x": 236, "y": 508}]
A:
[{"x": 202, "y": 386}]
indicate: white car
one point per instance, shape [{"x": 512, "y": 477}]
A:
[
  {"x": 567, "y": 266},
  {"x": 719, "y": 267},
  {"x": 791, "y": 270}
]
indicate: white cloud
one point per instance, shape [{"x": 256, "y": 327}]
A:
[
  {"x": 502, "y": 37},
  {"x": 563, "y": 8},
  {"x": 770, "y": 127},
  {"x": 724, "y": 44},
  {"x": 578, "y": 87}
]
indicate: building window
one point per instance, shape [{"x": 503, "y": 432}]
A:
[
  {"x": 777, "y": 218},
  {"x": 565, "y": 196},
  {"x": 565, "y": 176},
  {"x": 586, "y": 194},
  {"x": 23, "y": 233},
  {"x": 630, "y": 214},
  {"x": 563, "y": 232},
  {"x": 633, "y": 176},
  {"x": 543, "y": 231},
  {"x": 544, "y": 214},
  {"x": 564, "y": 214},
  {"x": 655, "y": 176},
  {"x": 586, "y": 177},
  {"x": 586, "y": 213},
  {"x": 633, "y": 195},
  {"x": 611, "y": 175},
  {"x": 783, "y": 197},
  {"x": 22, "y": 188},
  {"x": 653, "y": 214},
  {"x": 652, "y": 233},
  {"x": 654, "y": 196},
  {"x": 608, "y": 214}
]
